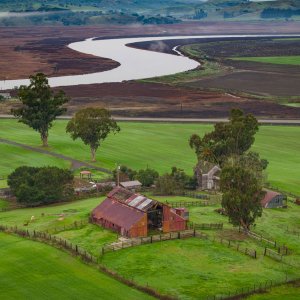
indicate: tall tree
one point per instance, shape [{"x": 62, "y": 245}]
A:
[
  {"x": 92, "y": 125},
  {"x": 40, "y": 106},
  {"x": 242, "y": 194},
  {"x": 232, "y": 138}
]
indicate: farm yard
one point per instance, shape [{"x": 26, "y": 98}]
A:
[
  {"x": 159, "y": 147},
  {"x": 223, "y": 269},
  {"x": 66, "y": 238}
]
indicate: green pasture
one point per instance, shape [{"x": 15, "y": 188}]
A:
[
  {"x": 193, "y": 268},
  {"x": 51, "y": 218},
  {"x": 32, "y": 270},
  {"x": 13, "y": 157},
  {"x": 160, "y": 146},
  {"x": 279, "y": 60}
]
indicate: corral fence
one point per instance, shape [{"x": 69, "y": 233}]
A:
[
  {"x": 280, "y": 248},
  {"x": 75, "y": 225},
  {"x": 173, "y": 236},
  {"x": 74, "y": 249},
  {"x": 147, "y": 240},
  {"x": 195, "y": 195},
  {"x": 206, "y": 226},
  {"x": 189, "y": 203}
]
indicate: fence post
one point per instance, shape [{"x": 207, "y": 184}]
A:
[{"x": 265, "y": 252}]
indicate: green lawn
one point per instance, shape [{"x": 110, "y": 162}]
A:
[
  {"x": 279, "y": 60},
  {"x": 163, "y": 145},
  {"x": 32, "y": 270}
]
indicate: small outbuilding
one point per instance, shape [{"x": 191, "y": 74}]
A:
[
  {"x": 273, "y": 199},
  {"x": 134, "y": 185},
  {"x": 133, "y": 215}
]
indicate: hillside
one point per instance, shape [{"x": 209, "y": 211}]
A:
[{"x": 90, "y": 12}]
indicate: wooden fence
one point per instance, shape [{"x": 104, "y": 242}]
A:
[
  {"x": 206, "y": 226},
  {"x": 189, "y": 203},
  {"x": 281, "y": 249},
  {"x": 147, "y": 240},
  {"x": 245, "y": 292}
]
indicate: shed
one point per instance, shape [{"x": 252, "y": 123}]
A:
[
  {"x": 133, "y": 215},
  {"x": 131, "y": 185},
  {"x": 273, "y": 199}
]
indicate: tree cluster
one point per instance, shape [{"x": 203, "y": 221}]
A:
[
  {"x": 242, "y": 176},
  {"x": 174, "y": 183},
  {"x": 36, "y": 186}
]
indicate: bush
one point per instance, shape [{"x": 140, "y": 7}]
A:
[
  {"x": 147, "y": 177},
  {"x": 35, "y": 186}
]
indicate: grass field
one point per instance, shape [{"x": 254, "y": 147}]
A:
[
  {"x": 32, "y": 270},
  {"x": 279, "y": 60},
  {"x": 13, "y": 157},
  {"x": 163, "y": 145}
]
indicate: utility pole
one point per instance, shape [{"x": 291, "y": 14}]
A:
[{"x": 118, "y": 175}]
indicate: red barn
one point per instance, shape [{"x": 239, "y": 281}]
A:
[{"x": 133, "y": 215}]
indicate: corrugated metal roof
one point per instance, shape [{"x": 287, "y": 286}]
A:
[
  {"x": 128, "y": 184},
  {"x": 268, "y": 197},
  {"x": 118, "y": 213}
]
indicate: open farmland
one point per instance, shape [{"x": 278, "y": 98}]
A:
[
  {"x": 161, "y": 146},
  {"x": 31, "y": 270},
  {"x": 244, "y": 65}
]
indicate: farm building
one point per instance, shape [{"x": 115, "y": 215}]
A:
[
  {"x": 133, "y": 215},
  {"x": 207, "y": 175},
  {"x": 134, "y": 185},
  {"x": 273, "y": 199}
]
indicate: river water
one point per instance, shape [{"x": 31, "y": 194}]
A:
[{"x": 134, "y": 63}]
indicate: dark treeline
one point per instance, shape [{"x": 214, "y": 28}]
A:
[{"x": 279, "y": 13}]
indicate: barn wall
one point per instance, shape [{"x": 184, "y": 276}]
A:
[
  {"x": 172, "y": 221},
  {"x": 140, "y": 228}
]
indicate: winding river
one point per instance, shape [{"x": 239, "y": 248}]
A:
[{"x": 134, "y": 63}]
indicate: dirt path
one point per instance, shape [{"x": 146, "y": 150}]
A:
[{"x": 75, "y": 164}]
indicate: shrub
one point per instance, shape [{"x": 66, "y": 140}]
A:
[
  {"x": 35, "y": 186},
  {"x": 147, "y": 177}
]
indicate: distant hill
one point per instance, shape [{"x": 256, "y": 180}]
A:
[{"x": 90, "y": 12}]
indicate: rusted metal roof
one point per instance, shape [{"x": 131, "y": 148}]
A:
[
  {"x": 118, "y": 213},
  {"x": 131, "y": 199}
]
